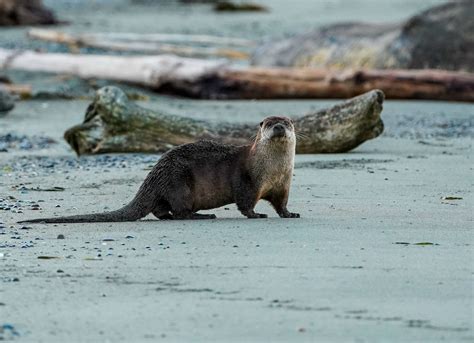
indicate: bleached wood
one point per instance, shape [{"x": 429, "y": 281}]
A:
[{"x": 217, "y": 79}]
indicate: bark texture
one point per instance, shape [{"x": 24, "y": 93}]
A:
[{"x": 114, "y": 124}]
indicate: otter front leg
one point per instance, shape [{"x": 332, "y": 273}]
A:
[
  {"x": 279, "y": 201},
  {"x": 246, "y": 198}
]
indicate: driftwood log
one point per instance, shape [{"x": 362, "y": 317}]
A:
[
  {"x": 147, "y": 44},
  {"x": 216, "y": 79},
  {"x": 114, "y": 124},
  {"x": 172, "y": 38}
]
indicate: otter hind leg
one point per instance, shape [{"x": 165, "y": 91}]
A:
[
  {"x": 204, "y": 216},
  {"x": 166, "y": 216},
  {"x": 162, "y": 211},
  {"x": 180, "y": 200},
  {"x": 192, "y": 215}
]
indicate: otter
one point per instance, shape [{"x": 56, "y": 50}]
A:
[{"x": 206, "y": 175}]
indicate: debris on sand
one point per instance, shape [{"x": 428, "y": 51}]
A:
[{"x": 451, "y": 198}]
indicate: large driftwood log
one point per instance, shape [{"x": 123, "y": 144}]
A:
[
  {"x": 148, "y": 44},
  {"x": 174, "y": 38},
  {"x": 217, "y": 79},
  {"x": 114, "y": 124}
]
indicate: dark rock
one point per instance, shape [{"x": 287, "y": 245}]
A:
[
  {"x": 25, "y": 12},
  {"x": 228, "y": 6},
  {"x": 441, "y": 37},
  {"x": 6, "y": 102}
]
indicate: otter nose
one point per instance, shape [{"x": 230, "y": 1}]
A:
[{"x": 279, "y": 130}]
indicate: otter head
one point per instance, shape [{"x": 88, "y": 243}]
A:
[{"x": 277, "y": 129}]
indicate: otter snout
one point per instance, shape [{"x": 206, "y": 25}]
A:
[{"x": 278, "y": 130}]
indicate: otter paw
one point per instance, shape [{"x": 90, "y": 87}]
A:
[
  {"x": 166, "y": 217},
  {"x": 290, "y": 215},
  {"x": 256, "y": 216},
  {"x": 203, "y": 216}
]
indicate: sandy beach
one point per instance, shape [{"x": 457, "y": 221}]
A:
[
  {"x": 383, "y": 250},
  {"x": 377, "y": 253}
]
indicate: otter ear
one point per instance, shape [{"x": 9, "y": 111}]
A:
[{"x": 261, "y": 123}]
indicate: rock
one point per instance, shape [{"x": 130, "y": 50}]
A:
[
  {"x": 228, "y": 6},
  {"x": 7, "y": 102},
  {"x": 441, "y": 37},
  {"x": 25, "y": 12}
]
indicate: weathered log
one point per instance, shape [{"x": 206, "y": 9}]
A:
[
  {"x": 114, "y": 124},
  {"x": 107, "y": 42},
  {"x": 57, "y": 36},
  {"x": 217, "y": 79},
  {"x": 276, "y": 83}
]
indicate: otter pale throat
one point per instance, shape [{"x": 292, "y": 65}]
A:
[{"x": 206, "y": 175}]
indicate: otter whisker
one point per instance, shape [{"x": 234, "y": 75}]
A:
[{"x": 301, "y": 135}]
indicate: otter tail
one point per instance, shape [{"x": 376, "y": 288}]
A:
[
  {"x": 127, "y": 213},
  {"x": 138, "y": 208}
]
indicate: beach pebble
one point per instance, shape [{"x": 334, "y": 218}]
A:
[{"x": 7, "y": 102}]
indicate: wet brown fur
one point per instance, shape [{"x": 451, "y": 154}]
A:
[{"x": 206, "y": 175}]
